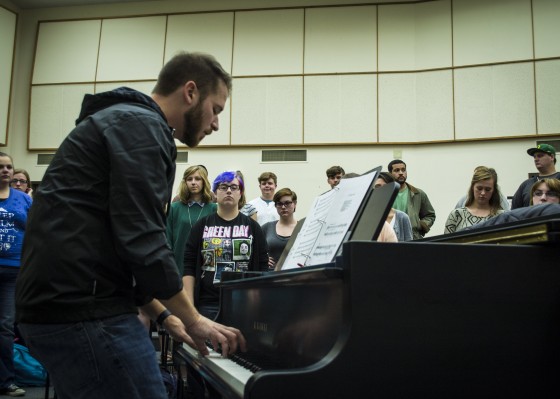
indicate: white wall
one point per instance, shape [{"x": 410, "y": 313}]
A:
[{"x": 443, "y": 170}]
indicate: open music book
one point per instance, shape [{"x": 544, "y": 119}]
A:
[{"x": 329, "y": 222}]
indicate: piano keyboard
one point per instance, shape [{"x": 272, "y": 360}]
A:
[{"x": 232, "y": 374}]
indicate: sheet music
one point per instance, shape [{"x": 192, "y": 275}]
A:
[{"x": 328, "y": 222}]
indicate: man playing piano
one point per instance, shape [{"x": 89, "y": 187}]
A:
[{"x": 95, "y": 244}]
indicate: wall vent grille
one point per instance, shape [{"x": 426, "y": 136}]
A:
[
  {"x": 44, "y": 159},
  {"x": 182, "y": 157},
  {"x": 284, "y": 156}
]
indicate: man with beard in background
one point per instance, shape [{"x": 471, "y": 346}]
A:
[
  {"x": 95, "y": 246},
  {"x": 412, "y": 201}
]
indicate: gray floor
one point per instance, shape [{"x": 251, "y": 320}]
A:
[{"x": 34, "y": 393}]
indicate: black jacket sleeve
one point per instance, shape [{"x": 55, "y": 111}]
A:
[{"x": 141, "y": 155}]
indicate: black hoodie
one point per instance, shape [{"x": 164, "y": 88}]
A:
[{"x": 95, "y": 240}]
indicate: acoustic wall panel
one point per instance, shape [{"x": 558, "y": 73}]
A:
[
  {"x": 495, "y": 101},
  {"x": 340, "y": 39},
  {"x": 267, "y": 111},
  {"x": 131, "y": 48},
  {"x": 268, "y": 42},
  {"x": 416, "y": 107},
  {"x": 144, "y": 87},
  {"x": 53, "y": 113},
  {"x": 415, "y": 36},
  {"x": 76, "y": 60},
  {"x": 546, "y": 14},
  {"x": 491, "y": 31},
  {"x": 340, "y": 109},
  {"x": 8, "y": 22},
  {"x": 223, "y": 135},
  {"x": 190, "y": 33},
  {"x": 548, "y": 96}
]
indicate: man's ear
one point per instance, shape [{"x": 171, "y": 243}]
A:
[{"x": 190, "y": 92}]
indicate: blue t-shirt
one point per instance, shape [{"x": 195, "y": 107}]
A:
[{"x": 13, "y": 218}]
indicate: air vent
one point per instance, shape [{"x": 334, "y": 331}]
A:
[
  {"x": 44, "y": 159},
  {"x": 182, "y": 157},
  {"x": 284, "y": 156},
  {"x": 554, "y": 143}
]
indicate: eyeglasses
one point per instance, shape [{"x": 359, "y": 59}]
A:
[
  {"x": 547, "y": 194},
  {"x": 283, "y": 204},
  {"x": 20, "y": 181},
  {"x": 226, "y": 187}
]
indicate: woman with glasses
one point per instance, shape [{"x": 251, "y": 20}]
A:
[
  {"x": 278, "y": 232},
  {"x": 22, "y": 182},
  {"x": 545, "y": 191},
  {"x": 483, "y": 201},
  {"x": 195, "y": 202},
  {"x": 13, "y": 218},
  {"x": 223, "y": 241}
]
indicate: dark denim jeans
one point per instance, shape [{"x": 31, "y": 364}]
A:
[
  {"x": 106, "y": 358},
  {"x": 8, "y": 277}
]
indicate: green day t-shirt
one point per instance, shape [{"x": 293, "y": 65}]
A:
[
  {"x": 401, "y": 202},
  {"x": 226, "y": 248}
]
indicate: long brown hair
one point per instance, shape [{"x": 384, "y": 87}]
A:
[
  {"x": 483, "y": 173},
  {"x": 185, "y": 194}
]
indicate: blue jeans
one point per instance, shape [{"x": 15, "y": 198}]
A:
[
  {"x": 105, "y": 358},
  {"x": 8, "y": 277}
]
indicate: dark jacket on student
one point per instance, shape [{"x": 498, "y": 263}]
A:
[{"x": 95, "y": 240}]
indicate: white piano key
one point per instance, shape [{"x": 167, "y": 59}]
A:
[{"x": 232, "y": 373}]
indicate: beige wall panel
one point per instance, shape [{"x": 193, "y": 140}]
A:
[
  {"x": 416, "y": 107},
  {"x": 340, "y": 39},
  {"x": 491, "y": 31},
  {"x": 546, "y": 14},
  {"x": 7, "y": 36},
  {"x": 131, "y": 48},
  {"x": 223, "y": 135},
  {"x": 144, "y": 87},
  {"x": 54, "y": 110},
  {"x": 73, "y": 61},
  {"x": 190, "y": 33},
  {"x": 494, "y": 101},
  {"x": 268, "y": 42},
  {"x": 415, "y": 36},
  {"x": 340, "y": 109},
  {"x": 267, "y": 111},
  {"x": 548, "y": 96}
]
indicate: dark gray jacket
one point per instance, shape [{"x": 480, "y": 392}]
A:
[{"x": 95, "y": 240}]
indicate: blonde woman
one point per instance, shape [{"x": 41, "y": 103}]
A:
[
  {"x": 483, "y": 201},
  {"x": 195, "y": 202}
]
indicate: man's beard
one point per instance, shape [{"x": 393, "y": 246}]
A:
[
  {"x": 401, "y": 179},
  {"x": 192, "y": 125}
]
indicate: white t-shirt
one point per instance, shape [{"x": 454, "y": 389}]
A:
[{"x": 266, "y": 211}]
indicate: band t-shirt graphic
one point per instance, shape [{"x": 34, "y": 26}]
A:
[{"x": 219, "y": 245}]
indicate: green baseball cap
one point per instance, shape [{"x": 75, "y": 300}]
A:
[{"x": 547, "y": 148}]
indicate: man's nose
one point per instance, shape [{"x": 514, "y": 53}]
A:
[{"x": 215, "y": 124}]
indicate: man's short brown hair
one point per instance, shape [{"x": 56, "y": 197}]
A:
[
  {"x": 203, "y": 69},
  {"x": 266, "y": 176},
  {"x": 335, "y": 170}
]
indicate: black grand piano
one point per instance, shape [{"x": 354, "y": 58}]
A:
[{"x": 396, "y": 320}]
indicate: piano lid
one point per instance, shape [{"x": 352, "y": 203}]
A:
[{"x": 543, "y": 230}]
